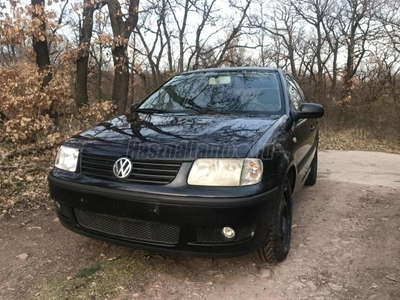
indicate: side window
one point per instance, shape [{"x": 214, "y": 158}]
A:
[
  {"x": 303, "y": 95},
  {"x": 296, "y": 98}
]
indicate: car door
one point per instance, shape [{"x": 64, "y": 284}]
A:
[
  {"x": 301, "y": 130},
  {"x": 313, "y": 130}
]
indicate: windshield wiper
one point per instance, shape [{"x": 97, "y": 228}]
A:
[
  {"x": 206, "y": 110},
  {"x": 152, "y": 110}
]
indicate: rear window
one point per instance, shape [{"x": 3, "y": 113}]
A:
[{"x": 257, "y": 92}]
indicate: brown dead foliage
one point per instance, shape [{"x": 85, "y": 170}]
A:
[{"x": 26, "y": 105}]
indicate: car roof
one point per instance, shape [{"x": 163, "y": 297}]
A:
[{"x": 234, "y": 69}]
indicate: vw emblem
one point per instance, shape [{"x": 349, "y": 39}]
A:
[{"x": 122, "y": 167}]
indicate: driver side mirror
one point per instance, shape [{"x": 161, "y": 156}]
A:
[{"x": 309, "y": 111}]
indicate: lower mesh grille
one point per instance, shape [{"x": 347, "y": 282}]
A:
[
  {"x": 214, "y": 235},
  {"x": 132, "y": 229}
]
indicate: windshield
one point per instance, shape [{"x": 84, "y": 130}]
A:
[{"x": 224, "y": 92}]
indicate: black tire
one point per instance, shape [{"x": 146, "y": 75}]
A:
[
  {"x": 312, "y": 177},
  {"x": 277, "y": 244}
]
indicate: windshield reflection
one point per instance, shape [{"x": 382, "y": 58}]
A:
[{"x": 222, "y": 92}]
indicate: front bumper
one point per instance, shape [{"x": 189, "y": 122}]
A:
[{"x": 164, "y": 223}]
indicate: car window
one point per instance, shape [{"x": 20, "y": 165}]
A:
[
  {"x": 296, "y": 97},
  {"x": 249, "y": 91},
  {"x": 302, "y": 94}
]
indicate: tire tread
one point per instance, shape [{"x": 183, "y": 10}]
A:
[{"x": 270, "y": 251}]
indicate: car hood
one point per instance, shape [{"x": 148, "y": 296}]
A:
[{"x": 175, "y": 136}]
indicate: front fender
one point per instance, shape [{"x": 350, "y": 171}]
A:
[{"x": 275, "y": 150}]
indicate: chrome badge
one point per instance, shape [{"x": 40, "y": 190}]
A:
[{"x": 122, "y": 167}]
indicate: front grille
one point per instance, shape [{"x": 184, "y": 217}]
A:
[
  {"x": 146, "y": 172},
  {"x": 132, "y": 229},
  {"x": 213, "y": 234}
]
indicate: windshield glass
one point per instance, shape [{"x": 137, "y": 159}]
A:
[{"x": 225, "y": 92}]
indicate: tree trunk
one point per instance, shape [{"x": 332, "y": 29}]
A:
[
  {"x": 85, "y": 36},
  {"x": 292, "y": 62},
  {"x": 167, "y": 36},
  {"x": 40, "y": 44},
  {"x": 81, "y": 94},
  {"x": 181, "y": 37},
  {"x": 334, "y": 71},
  {"x": 320, "y": 66},
  {"x": 122, "y": 29},
  {"x": 99, "y": 77},
  {"x": 347, "y": 91},
  {"x": 121, "y": 78}
]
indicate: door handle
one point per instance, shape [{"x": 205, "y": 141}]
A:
[{"x": 312, "y": 127}]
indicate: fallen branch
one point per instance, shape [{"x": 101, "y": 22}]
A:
[
  {"x": 33, "y": 149},
  {"x": 392, "y": 279}
]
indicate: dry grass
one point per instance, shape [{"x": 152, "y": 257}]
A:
[{"x": 353, "y": 140}]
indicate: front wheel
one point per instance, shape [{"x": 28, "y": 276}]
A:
[{"x": 277, "y": 243}]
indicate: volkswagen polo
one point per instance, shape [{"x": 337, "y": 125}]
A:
[{"x": 206, "y": 165}]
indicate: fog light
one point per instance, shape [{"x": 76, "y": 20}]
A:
[
  {"x": 57, "y": 205},
  {"x": 228, "y": 233}
]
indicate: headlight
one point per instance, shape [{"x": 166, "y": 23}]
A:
[
  {"x": 67, "y": 158},
  {"x": 225, "y": 172}
]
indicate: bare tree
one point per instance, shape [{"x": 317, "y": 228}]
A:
[
  {"x": 206, "y": 12},
  {"x": 355, "y": 26},
  {"x": 335, "y": 41},
  {"x": 99, "y": 49},
  {"x": 122, "y": 24},
  {"x": 153, "y": 49},
  {"x": 389, "y": 18},
  {"x": 314, "y": 12},
  {"x": 236, "y": 31},
  {"x": 305, "y": 54},
  {"x": 282, "y": 25},
  {"x": 181, "y": 24},
  {"x": 85, "y": 36}
]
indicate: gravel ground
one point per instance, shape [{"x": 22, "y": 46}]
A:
[{"x": 345, "y": 245}]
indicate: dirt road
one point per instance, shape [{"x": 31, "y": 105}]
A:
[{"x": 345, "y": 245}]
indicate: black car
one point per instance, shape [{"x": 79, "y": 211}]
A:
[{"x": 206, "y": 165}]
